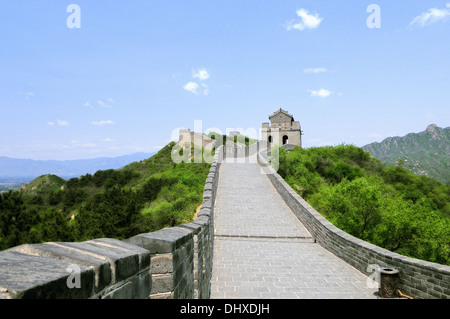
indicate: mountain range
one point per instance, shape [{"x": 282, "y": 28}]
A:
[
  {"x": 424, "y": 153},
  {"x": 28, "y": 168}
]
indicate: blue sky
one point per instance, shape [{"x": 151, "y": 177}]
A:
[{"x": 137, "y": 70}]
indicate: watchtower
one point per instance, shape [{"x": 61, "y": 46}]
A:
[{"x": 283, "y": 130}]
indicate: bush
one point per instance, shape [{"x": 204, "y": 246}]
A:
[
  {"x": 340, "y": 171},
  {"x": 355, "y": 206}
]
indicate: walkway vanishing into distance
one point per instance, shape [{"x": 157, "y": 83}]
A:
[{"x": 261, "y": 249}]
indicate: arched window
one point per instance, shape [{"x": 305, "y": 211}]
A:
[
  {"x": 270, "y": 138},
  {"x": 285, "y": 140}
]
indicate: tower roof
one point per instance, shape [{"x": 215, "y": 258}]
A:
[{"x": 281, "y": 111}]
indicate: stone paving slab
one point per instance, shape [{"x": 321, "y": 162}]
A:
[
  {"x": 270, "y": 268},
  {"x": 261, "y": 249},
  {"x": 248, "y": 205}
]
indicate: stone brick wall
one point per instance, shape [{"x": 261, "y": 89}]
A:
[
  {"x": 186, "y": 136},
  {"x": 417, "y": 278},
  {"x": 170, "y": 263},
  {"x": 100, "y": 268}
]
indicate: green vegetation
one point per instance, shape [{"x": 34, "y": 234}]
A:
[
  {"x": 387, "y": 206},
  {"x": 141, "y": 197}
]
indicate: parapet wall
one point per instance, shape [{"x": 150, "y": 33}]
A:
[
  {"x": 417, "y": 278},
  {"x": 170, "y": 263}
]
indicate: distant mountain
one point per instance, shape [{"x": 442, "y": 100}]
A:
[
  {"x": 19, "y": 168},
  {"x": 424, "y": 153}
]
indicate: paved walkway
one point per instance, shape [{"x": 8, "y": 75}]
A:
[{"x": 261, "y": 250}]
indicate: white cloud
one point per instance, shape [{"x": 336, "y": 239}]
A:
[
  {"x": 201, "y": 74},
  {"x": 102, "y": 123},
  {"x": 103, "y": 104},
  {"x": 315, "y": 70},
  {"x": 62, "y": 123},
  {"x": 307, "y": 21},
  {"x": 320, "y": 93},
  {"x": 59, "y": 123},
  {"x": 191, "y": 87},
  {"x": 195, "y": 87},
  {"x": 431, "y": 16}
]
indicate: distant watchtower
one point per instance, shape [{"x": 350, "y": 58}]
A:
[{"x": 283, "y": 131}]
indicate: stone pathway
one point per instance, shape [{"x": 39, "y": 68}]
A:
[{"x": 261, "y": 249}]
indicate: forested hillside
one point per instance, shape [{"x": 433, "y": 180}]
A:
[
  {"x": 141, "y": 197},
  {"x": 387, "y": 206},
  {"x": 424, "y": 153}
]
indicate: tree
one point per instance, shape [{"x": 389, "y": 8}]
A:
[
  {"x": 354, "y": 206},
  {"x": 15, "y": 220}
]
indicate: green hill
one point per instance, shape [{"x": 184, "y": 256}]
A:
[
  {"x": 424, "y": 153},
  {"x": 141, "y": 197},
  {"x": 43, "y": 185},
  {"x": 388, "y": 206}
]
